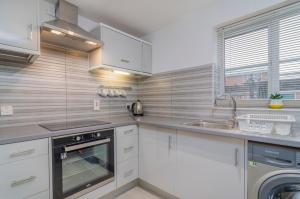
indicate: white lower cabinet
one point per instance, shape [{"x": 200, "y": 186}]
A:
[
  {"x": 23, "y": 150},
  {"x": 127, "y": 171},
  {"x": 42, "y": 195},
  {"x": 209, "y": 167},
  {"x": 24, "y": 170},
  {"x": 127, "y": 148},
  {"x": 127, "y": 154},
  {"x": 25, "y": 178},
  {"x": 192, "y": 165},
  {"x": 157, "y": 157}
]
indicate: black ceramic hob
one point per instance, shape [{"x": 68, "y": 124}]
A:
[{"x": 72, "y": 124}]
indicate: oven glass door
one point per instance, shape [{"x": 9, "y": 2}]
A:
[{"x": 82, "y": 166}]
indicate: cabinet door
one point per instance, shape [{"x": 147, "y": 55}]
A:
[
  {"x": 120, "y": 50},
  {"x": 19, "y": 23},
  {"x": 158, "y": 157},
  {"x": 209, "y": 166},
  {"x": 127, "y": 148},
  {"x": 25, "y": 178},
  {"x": 147, "y": 58},
  {"x": 23, "y": 150},
  {"x": 127, "y": 171},
  {"x": 42, "y": 195}
]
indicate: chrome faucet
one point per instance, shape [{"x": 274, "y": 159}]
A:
[{"x": 234, "y": 109}]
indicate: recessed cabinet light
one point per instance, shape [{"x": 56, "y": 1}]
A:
[
  {"x": 121, "y": 72},
  {"x": 71, "y": 33},
  {"x": 92, "y": 43},
  {"x": 56, "y": 32}
]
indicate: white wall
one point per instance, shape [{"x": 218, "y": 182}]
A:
[
  {"x": 86, "y": 23},
  {"x": 191, "y": 40}
]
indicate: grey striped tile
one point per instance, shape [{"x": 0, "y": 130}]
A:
[
  {"x": 58, "y": 86},
  {"x": 184, "y": 94}
]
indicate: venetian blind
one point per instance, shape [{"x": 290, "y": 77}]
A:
[{"x": 261, "y": 55}]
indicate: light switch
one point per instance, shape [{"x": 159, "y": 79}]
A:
[
  {"x": 96, "y": 105},
  {"x": 7, "y": 110}
]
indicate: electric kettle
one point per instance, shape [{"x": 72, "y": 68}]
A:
[{"x": 137, "y": 108}]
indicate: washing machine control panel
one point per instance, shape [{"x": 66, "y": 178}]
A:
[{"x": 274, "y": 155}]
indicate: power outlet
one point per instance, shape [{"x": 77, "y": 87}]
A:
[
  {"x": 96, "y": 105},
  {"x": 128, "y": 106},
  {"x": 7, "y": 110}
]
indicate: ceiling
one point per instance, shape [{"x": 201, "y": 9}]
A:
[{"x": 137, "y": 17}]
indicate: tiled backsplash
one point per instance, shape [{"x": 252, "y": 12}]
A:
[
  {"x": 58, "y": 86},
  {"x": 188, "y": 94},
  {"x": 183, "y": 94}
]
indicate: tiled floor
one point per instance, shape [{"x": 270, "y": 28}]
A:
[{"x": 137, "y": 193}]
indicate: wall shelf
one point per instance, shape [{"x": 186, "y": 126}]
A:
[{"x": 127, "y": 88}]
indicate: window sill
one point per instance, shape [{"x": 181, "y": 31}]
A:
[
  {"x": 259, "y": 109},
  {"x": 258, "y": 104}
]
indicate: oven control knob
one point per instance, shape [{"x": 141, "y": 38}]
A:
[
  {"x": 98, "y": 134},
  {"x": 77, "y": 138}
]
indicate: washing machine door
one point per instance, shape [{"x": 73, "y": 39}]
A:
[{"x": 282, "y": 186}]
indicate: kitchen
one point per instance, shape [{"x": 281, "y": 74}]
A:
[{"x": 138, "y": 99}]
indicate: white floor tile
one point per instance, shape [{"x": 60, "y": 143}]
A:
[{"x": 137, "y": 193}]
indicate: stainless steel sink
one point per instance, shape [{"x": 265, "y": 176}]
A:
[{"x": 211, "y": 124}]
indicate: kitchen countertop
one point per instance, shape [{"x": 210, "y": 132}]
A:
[
  {"x": 31, "y": 132},
  {"x": 178, "y": 124}
]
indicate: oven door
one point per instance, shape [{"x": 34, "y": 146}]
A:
[{"x": 79, "y": 169}]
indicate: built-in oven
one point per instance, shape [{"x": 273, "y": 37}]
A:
[{"x": 82, "y": 163}]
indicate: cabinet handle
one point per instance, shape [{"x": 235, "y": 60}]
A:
[
  {"x": 170, "y": 143},
  {"x": 22, "y": 153},
  {"x": 23, "y": 181},
  {"x": 30, "y": 35},
  {"x": 128, "y": 149},
  {"x": 128, "y": 131},
  {"x": 125, "y": 61},
  {"x": 128, "y": 173},
  {"x": 236, "y": 157}
]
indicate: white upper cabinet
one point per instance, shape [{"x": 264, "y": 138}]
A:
[
  {"x": 158, "y": 157},
  {"x": 209, "y": 166},
  {"x": 19, "y": 28},
  {"x": 147, "y": 58},
  {"x": 121, "y": 51}
]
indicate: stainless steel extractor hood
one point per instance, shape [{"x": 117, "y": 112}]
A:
[{"x": 64, "y": 30}]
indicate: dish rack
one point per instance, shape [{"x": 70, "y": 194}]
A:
[{"x": 266, "y": 123}]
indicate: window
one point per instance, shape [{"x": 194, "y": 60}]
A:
[
  {"x": 289, "y": 57},
  {"x": 261, "y": 55},
  {"x": 246, "y": 64}
]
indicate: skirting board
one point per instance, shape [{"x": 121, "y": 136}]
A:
[
  {"x": 119, "y": 191},
  {"x": 142, "y": 184},
  {"x": 155, "y": 190}
]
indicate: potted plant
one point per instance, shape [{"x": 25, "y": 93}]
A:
[{"x": 276, "y": 101}]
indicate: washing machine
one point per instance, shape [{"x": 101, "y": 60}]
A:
[{"x": 273, "y": 172}]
